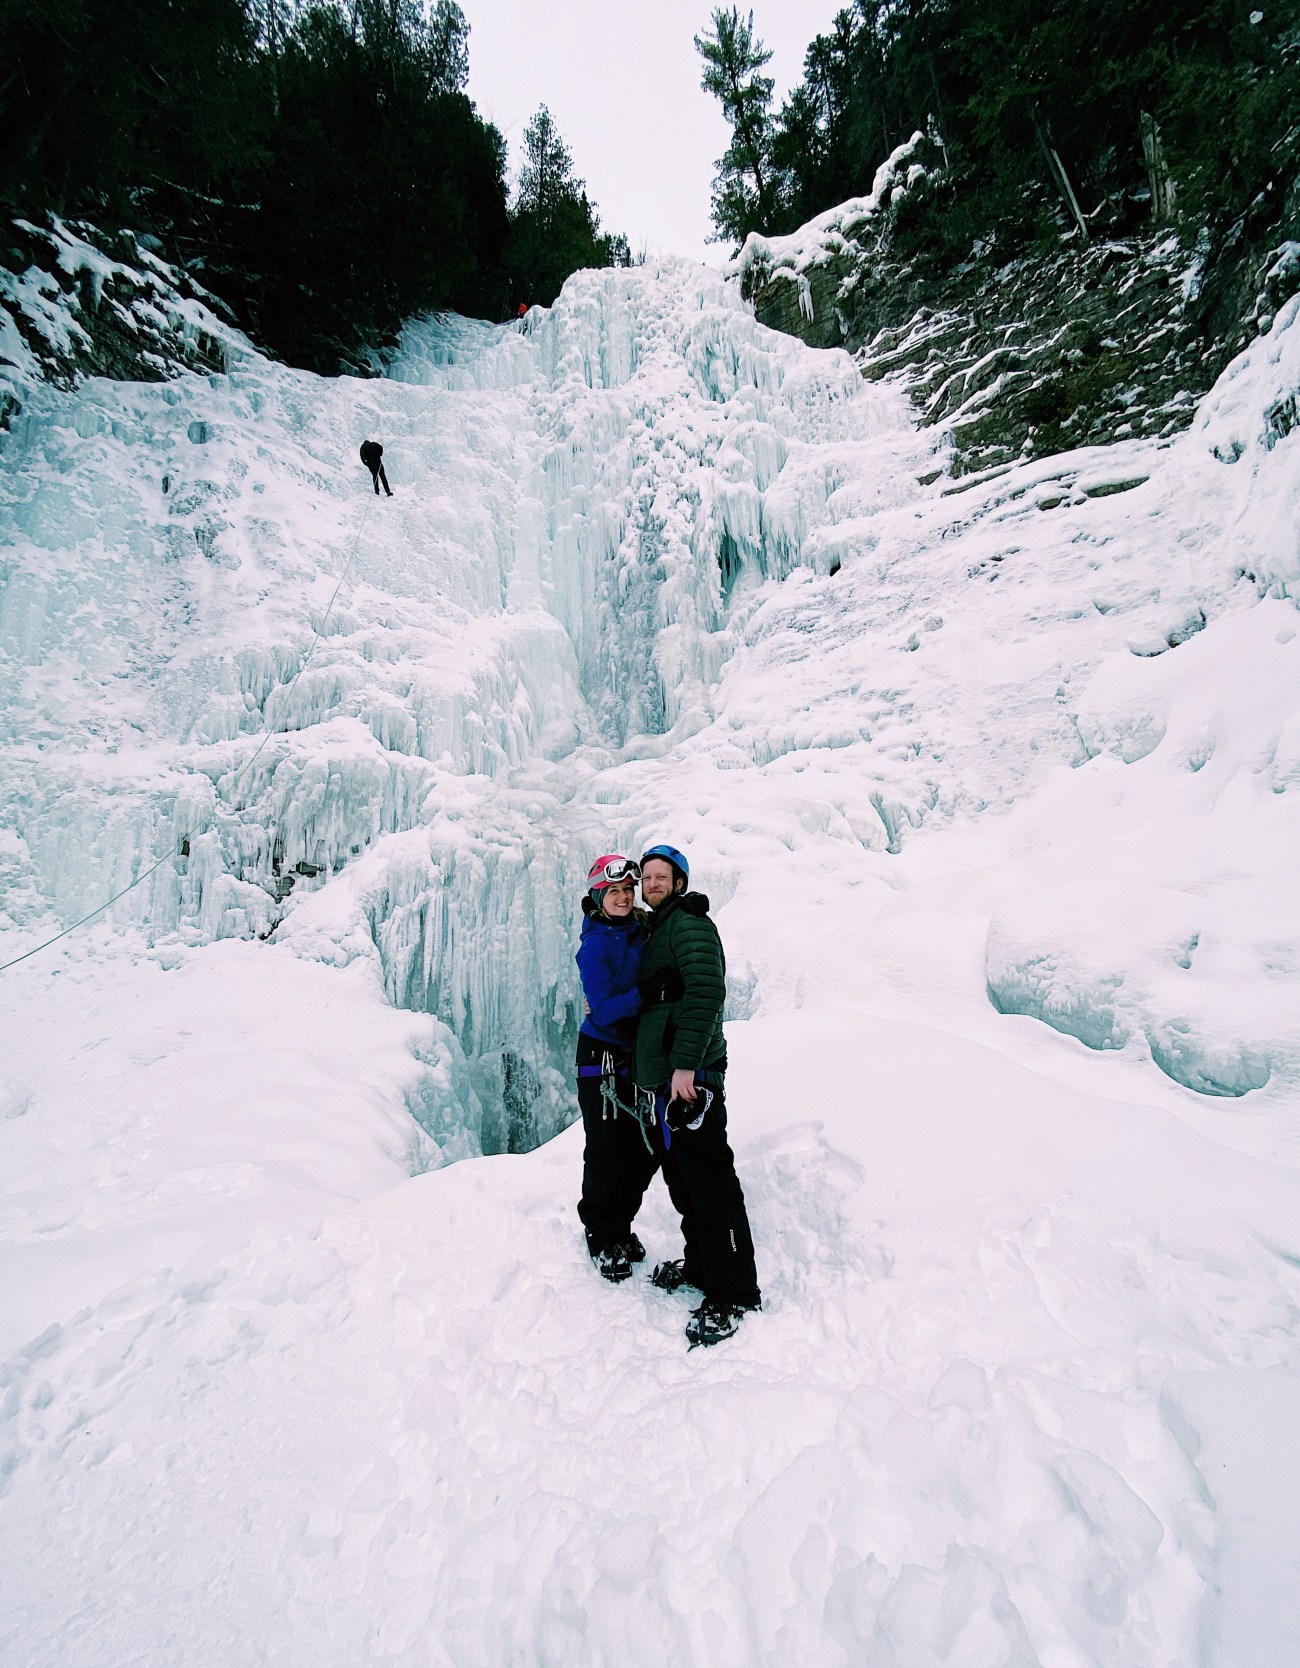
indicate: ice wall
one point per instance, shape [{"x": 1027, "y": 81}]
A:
[
  {"x": 678, "y": 450},
  {"x": 223, "y": 651},
  {"x": 649, "y": 568}
]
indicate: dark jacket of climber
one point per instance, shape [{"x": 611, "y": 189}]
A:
[{"x": 372, "y": 455}]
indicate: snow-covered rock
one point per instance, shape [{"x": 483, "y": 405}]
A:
[
  {"x": 77, "y": 302},
  {"x": 790, "y": 259}
]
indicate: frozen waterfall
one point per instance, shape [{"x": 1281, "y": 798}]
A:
[
  {"x": 585, "y": 510},
  {"x": 995, "y": 786}
]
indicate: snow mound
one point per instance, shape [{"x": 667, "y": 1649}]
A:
[{"x": 1106, "y": 964}]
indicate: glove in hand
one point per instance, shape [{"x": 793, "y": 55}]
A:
[{"x": 686, "y": 1114}]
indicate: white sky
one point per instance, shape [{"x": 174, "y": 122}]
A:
[{"x": 622, "y": 80}]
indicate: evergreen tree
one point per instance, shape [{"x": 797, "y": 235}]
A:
[
  {"x": 448, "y": 47},
  {"x": 98, "y": 100},
  {"x": 800, "y": 153},
  {"x": 546, "y": 176},
  {"x": 386, "y": 196},
  {"x": 316, "y": 161},
  {"x": 554, "y": 228},
  {"x": 1048, "y": 120},
  {"x": 744, "y": 196}
]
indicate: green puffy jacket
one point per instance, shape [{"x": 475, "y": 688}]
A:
[{"x": 687, "y": 1034}]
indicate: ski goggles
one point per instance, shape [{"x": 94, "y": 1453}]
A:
[{"x": 613, "y": 871}]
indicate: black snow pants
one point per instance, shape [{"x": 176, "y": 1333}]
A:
[
  {"x": 377, "y": 474},
  {"x": 700, "y": 1171},
  {"x": 617, "y": 1166}
]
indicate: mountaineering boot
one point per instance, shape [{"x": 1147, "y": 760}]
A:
[
  {"x": 614, "y": 1259},
  {"x": 613, "y": 1262},
  {"x": 716, "y": 1319},
  {"x": 671, "y": 1277}
]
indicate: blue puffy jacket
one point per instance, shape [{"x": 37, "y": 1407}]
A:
[{"x": 609, "y": 960}]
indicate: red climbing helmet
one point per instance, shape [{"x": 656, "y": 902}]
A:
[{"x": 612, "y": 870}]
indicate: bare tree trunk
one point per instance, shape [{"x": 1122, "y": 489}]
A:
[
  {"x": 1057, "y": 168},
  {"x": 276, "y": 31},
  {"x": 1072, "y": 199},
  {"x": 1162, "y": 180},
  {"x": 938, "y": 122}
]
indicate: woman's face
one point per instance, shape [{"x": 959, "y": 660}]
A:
[{"x": 616, "y": 901}]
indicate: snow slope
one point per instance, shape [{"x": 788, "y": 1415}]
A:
[{"x": 995, "y": 788}]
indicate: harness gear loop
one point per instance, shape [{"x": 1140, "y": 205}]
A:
[
  {"x": 611, "y": 1104},
  {"x": 646, "y": 1113},
  {"x": 608, "y": 1093}
]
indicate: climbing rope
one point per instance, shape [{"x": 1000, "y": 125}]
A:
[
  {"x": 154, "y": 867},
  {"x": 641, "y": 1115},
  {"x": 4, "y": 966}
]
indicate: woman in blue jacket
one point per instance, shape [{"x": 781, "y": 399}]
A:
[{"x": 617, "y": 1161}]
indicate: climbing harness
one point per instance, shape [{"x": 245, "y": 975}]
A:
[
  {"x": 167, "y": 857},
  {"x": 649, "y": 1107},
  {"x": 611, "y": 1104}
]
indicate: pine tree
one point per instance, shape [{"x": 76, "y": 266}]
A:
[
  {"x": 555, "y": 230},
  {"x": 744, "y": 195},
  {"x": 546, "y": 175},
  {"x": 447, "y": 37}
]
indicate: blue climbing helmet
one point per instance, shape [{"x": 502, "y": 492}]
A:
[{"x": 670, "y": 854}]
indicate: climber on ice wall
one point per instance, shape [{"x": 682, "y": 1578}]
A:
[{"x": 372, "y": 455}]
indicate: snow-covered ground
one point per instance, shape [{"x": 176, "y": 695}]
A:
[{"x": 995, "y": 786}]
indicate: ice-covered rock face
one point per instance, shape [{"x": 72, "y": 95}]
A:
[
  {"x": 658, "y": 418},
  {"x": 650, "y": 570},
  {"x": 580, "y": 510},
  {"x": 1036, "y": 738},
  {"x": 81, "y": 302}
]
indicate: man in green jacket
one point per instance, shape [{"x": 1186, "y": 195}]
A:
[{"x": 681, "y": 1059}]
